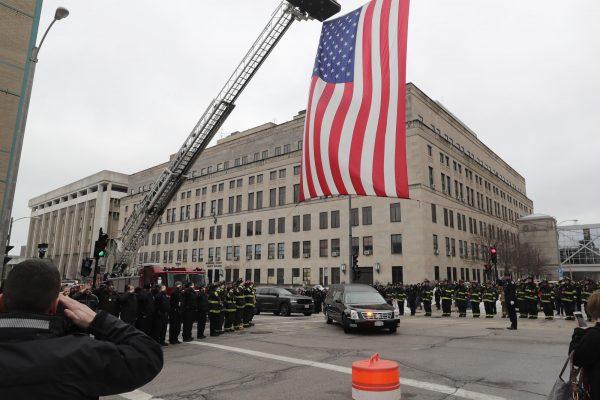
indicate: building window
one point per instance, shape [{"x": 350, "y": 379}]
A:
[
  {"x": 259, "y": 178},
  {"x": 273, "y": 175},
  {"x": 431, "y": 182},
  {"x": 395, "y": 214},
  {"x": 367, "y": 215},
  {"x": 335, "y": 219},
  {"x": 445, "y": 217},
  {"x": 354, "y": 217},
  {"x": 295, "y": 249},
  {"x": 251, "y": 180},
  {"x": 232, "y": 184},
  {"x": 282, "y": 195},
  {"x": 335, "y": 247},
  {"x": 451, "y": 218},
  {"x": 436, "y": 273},
  {"x": 296, "y": 193},
  {"x": 272, "y": 226},
  {"x": 296, "y": 170},
  {"x": 367, "y": 245},
  {"x": 434, "y": 213},
  {"x": 259, "y": 200},
  {"x": 397, "y": 275},
  {"x": 257, "y": 251},
  {"x": 272, "y": 197},
  {"x": 278, "y": 150},
  {"x": 429, "y": 150},
  {"x": 306, "y": 222},
  {"x": 281, "y": 173},
  {"x": 396, "y": 244},
  {"x": 271, "y": 251},
  {"x": 306, "y": 248},
  {"x": 448, "y": 247},
  {"x": 250, "y": 201},
  {"x": 249, "y": 228},
  {"x": 323, "y": 220},
  {"x": 323, "y": 250},
  {"x": 281, "y": 225},
  {"x": 258, "y": 228},
  {"x": 296, "y": 223},
  {"x": 436, "y": 249},
  {"x": 280, "y": 251},
  {"x": 453, "y": 247},
  {"x": 239, "y": 182}
]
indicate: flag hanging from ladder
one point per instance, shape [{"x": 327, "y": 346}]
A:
[{"x": 355, "y": 134}]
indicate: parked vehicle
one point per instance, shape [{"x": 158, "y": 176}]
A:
[
  {"x": 360, "y": 306},
  {"x": 281, "y": 301}
]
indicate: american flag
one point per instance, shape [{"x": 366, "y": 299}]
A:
[{"x": 354, "y": 134}]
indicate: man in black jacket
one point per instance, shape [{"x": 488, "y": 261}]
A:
[
  {"x": 162, "y": 305},
  {"x": 39, "y": 361},
  {"x": 145, "y": 310},
  {"x": 175, "y": 314},
  {"x": 128, "y": 304},
  {"x": 510, "y": 297},
  {"x": 190, "y": 310},
  {"x": 202, "y": 310}
]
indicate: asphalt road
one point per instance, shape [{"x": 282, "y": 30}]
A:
[{"x": 304, "y": 358}]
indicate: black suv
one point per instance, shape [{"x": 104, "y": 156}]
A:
[
  {"x": 282, "y": 302},
  {"x": 358, "y": 306}
]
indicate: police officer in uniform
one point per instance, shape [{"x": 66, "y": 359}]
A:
[
  {"x": 426, "y": 295},
  {"x": 510, "y": 297},
  {"x": 475, "y": 294},
  {"x": 460, "y": 297},
  {"x": 175, "y": 314},
  {"x": 162, "y": 306},
  {"x": 145, "y": 311},
  {"x": 189, "y": 305},
  {"x": 202, "y": 311}
]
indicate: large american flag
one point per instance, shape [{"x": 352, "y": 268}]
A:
[{"x": 355, "y": 134}]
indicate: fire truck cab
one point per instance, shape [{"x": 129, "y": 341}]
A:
[{"x": 153, "y": 274}]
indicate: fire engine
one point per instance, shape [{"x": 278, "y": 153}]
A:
[{"x": 154, "y": 274}]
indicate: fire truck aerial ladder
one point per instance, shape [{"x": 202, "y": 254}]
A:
[{"x": 147, "y": 212}]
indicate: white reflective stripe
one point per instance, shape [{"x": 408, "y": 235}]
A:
[
  {"x": 24, "y": 323},
  {"x": 364, "y": 395}
]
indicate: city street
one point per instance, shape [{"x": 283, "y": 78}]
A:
[{"x": 304, "y": 358}]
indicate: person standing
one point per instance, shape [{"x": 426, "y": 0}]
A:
[
  {"x": 145, "y": 310},
  {"x": 108, "y": 299},
  {"x": 547, "y": 297},
  {"x": 189, "y": 307},
  {"x": 437, "y": 296},
  {"x": 510, "y": 296},
  {"x": 489, "y": 298},
  {"x": 85, "y": 296},
  {"x": 460, "y": 296},
  {"x": 230, "y": 308},
  {"x": 531, "y": 297},
  {"x": 446, "y": 297},
  {"x": 128, "y": 303},
  {"x": 475, "y": 296},
  {"x": 240, "y": 303},
  {"x": 175, "y": 314},
  {"x": 400, "y": 294},
  {"x": 249, "y": 306},
  {"x": 568, "y": 294},
  {"x": 317, "y": 299},
  {"x": 411, "y": 299},
  {"x": 426, "y": 295},
  {"x": 162, "y": 306},
  {"x": 214, "y": 309},
  {"x": 202, "y": 310},
  {"x": 521, "y": 301}
]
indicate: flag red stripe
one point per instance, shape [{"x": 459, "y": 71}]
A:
[
  {"x": 319, "y": 113},
  {"x": 334, "y": 138},
  {"x": 401, "y": 172},
  {"x": 308, "y": 177},
  {"x": 356, "y": 149},
  {"x": 384, "y": 52}
]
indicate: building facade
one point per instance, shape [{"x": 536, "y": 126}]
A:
[
  {"x": 69, "y": 218},
  {"x": 19, "y": 21},
  {"x": 579, "y": 247},
  {"x": 238, "y": 213}
]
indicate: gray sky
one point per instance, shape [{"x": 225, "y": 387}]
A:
[{"x": 120, "y": 84}]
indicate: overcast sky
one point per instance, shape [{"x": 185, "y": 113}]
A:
[{"x": 120, "y": 84}]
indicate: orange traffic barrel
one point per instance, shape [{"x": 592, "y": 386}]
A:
[{"x": 375, "y": 379}]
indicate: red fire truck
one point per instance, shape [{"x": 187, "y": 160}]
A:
[{"x": 153, "y": 274}]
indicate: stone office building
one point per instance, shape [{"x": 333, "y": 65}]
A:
[
  {"x": 238, "y": 213},
  {"x": 69, "y": 218}
]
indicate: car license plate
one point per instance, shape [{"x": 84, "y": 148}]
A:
[
  {"x": 378, "y": 323},
  {"x": 307, "y": 306}
]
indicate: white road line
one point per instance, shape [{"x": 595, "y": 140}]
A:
[
  {"x": 137, "y": 395},
  {"x": 465, "y": 394}
]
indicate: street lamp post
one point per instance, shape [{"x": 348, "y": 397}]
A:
[
  {"x": 13, "y": 167},
  {"x": 12, "y": 221}
]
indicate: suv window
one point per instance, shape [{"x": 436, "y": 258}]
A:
[{"x": 337, "y": 295}]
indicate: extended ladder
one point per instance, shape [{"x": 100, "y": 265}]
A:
[{"x": 147, "y": 212}]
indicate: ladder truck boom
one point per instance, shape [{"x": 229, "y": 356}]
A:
[{"x": 147, "y": 212}]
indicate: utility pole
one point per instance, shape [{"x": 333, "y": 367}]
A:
[{"x": 350, "y": 249}]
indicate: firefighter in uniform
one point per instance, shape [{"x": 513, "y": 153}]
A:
[
  {"x": 426, "y": 296},
  {"x": 568, "y": 293},
  {"x": 588, "y": 287},
  {"x": 202, "y": 311},
  {"x": 175, "y": 314},
  {"x": 547, "y": 298},
  {"x": 475, "y": 296},
  {"x": 460, "y": 297},
  {"x": 400, "y": 295},
  {"x": 222, "y": 294},
  {"x": 531, "y": 297},
  {"x": 189, "y": 305},
  {"x": 521, "y": 303},
  {"x": 249, "y": 305},
  {"x": 446, "y": 297},
  {"x": 489, "y": 298},
  {"x": 240, "y": 304},
  {"x": 230, "y": 309},
  {"x": 214, "y": 309}
]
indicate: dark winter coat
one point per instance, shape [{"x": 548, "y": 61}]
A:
[
  {"x": 586, "y": 354},
  {"x": 128, "y": 303}
]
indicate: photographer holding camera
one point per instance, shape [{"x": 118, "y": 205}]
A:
[{"x": 38, "y": 359}]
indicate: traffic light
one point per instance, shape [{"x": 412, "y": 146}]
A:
[
  {"x": 318, "y": 9},
  {"x": 7, "y": 258},
  {"x": 100, "y": 245},
  {"x": 86, "y": 267},
  {"x": 354, "y": 266},
  {"x": 493, "y": 255},
  {"x": 42, "y": 249}
]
